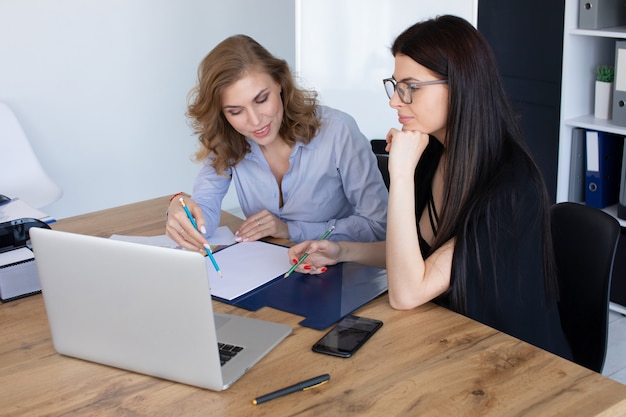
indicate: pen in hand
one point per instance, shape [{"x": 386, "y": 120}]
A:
[
  {"x": 207, "y": 247},
  {"x": 301, "y": 386},
  {"x": 303, "y": 257}
]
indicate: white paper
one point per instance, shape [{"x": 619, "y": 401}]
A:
[
  {"x": 18, "y": 209},
  {"x": 20, "y": 279},
  {"x": 221, "y": 236},
  {"x": 16, "y": 255},
  {"x": 246, "y": 266}
]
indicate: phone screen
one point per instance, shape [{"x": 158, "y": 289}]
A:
[{"x": 347, "y": 336}]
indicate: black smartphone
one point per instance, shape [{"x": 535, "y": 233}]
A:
[{"x": 347, "y": 336}]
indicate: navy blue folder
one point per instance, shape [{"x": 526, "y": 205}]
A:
[
  {"x": 321, "y": 299},
  {"x": 603, "y": 168}
]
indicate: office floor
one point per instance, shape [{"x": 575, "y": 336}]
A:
[{"x": 615, "y": 363}]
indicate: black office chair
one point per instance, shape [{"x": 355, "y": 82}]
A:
[
  {"x": 585, "y": 240},
  {"x": 378, "y": 147},
  {"x": 383, "y": 166}
]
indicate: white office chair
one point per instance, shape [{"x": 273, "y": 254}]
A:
[{"x": 21, "y": 174}]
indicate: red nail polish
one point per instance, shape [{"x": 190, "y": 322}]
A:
[
  {"x": 307, "y": 267},
  {"x": 324, "y": 269},
  {"x": 294, "y": 260}
]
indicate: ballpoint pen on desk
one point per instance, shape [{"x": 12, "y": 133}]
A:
[
  {"x": 303, "y": 257},
  {"x": 207, "y": 247},
  {"x": 301, "y": 386}
]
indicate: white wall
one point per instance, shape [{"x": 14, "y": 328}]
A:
[
  {"x": 100, "y": 87},
  {"x": 347, "y": 60}
]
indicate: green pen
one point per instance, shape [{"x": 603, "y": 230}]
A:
[{"x": 303, "y": 257}]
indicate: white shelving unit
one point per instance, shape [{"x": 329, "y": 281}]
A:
[{"x": 583, "y": 51}]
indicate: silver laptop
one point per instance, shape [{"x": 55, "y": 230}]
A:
[{"x": 144, "y": 308}]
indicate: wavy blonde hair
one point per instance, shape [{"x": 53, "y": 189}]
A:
[{"x": 227, "y": 63}]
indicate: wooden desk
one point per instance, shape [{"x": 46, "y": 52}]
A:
[{"x": 430, "y": 361}]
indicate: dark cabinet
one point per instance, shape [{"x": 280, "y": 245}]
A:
[{"x": 527, "y": 39}]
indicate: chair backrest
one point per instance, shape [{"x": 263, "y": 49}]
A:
[
  {"x": 21, "y": 174},
  {"x": 585, "y": 240},
  {"x": 378, "y": 147},
  {"x": 383, "y": 166}
]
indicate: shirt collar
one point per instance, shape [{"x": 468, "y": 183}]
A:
[{"x": 256, "y": 154}]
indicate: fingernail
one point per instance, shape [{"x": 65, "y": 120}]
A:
[
  {"x": 324, "y": 269},
  {"x": 294, "y": 260},
  {"x": 203, "y": 229},
  {"x": 307, "y": 267},
  {"x": 237, "y": 239}
]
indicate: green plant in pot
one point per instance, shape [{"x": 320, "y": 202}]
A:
[{"x": 605, "y": 73}]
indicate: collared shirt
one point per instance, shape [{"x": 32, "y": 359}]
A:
[{"x": 332, "y": 181}]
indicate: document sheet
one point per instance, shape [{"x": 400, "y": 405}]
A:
[{"x": 245, "y": 267}]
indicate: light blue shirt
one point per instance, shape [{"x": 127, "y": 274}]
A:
[{"x": 332, "y": 181}]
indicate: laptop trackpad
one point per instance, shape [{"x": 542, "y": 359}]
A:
[{"x": 220, "y": 321}]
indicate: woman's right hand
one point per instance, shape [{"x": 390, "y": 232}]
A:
[
  {"x": 405, "y": 150},
  {"x": 180, "y": 229},
  {"x": 322, "y": 253}
]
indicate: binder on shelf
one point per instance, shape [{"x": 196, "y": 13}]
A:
[
  {"x": 603, "y": 168},
  {"x": 577, "y": 166},
  {"x": 599, "y": 14},
  {"x": 619, "y": 89},
  {"x": 621, "y": 204}
]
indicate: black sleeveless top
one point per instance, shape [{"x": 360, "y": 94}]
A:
[
  {"x": 505, "y": 288},
  {"x": 433, "y": 216},
  {"x": 424, "y": 174}
]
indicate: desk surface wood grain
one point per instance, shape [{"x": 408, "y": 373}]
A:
[{"x": 429, "y": 361}]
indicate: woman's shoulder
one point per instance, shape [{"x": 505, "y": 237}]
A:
[
  {"x": 332, "y": 116},
  {"x": 337, "y": 124}
]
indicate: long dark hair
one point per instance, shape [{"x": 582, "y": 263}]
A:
[{"x": 482, "y": 135}]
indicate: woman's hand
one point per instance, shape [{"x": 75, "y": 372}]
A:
[
  {"x": 322, "y": 253},
  {"x": 180, "y": 229},
  {"x": 405, "y": 150},
  {"x": 260, "y": 225}
]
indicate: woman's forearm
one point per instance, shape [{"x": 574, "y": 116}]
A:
[
  {"x": 366, "y": 253},
  {"x": 405, "y": 264}
]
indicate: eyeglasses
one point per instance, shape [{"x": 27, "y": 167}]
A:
[{"x": 405, "y": 90}]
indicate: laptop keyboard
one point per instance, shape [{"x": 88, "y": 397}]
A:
[{"x": 227, "y": 352}]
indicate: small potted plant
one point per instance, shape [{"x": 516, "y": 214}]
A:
[{"x": 605, "y": 75}]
